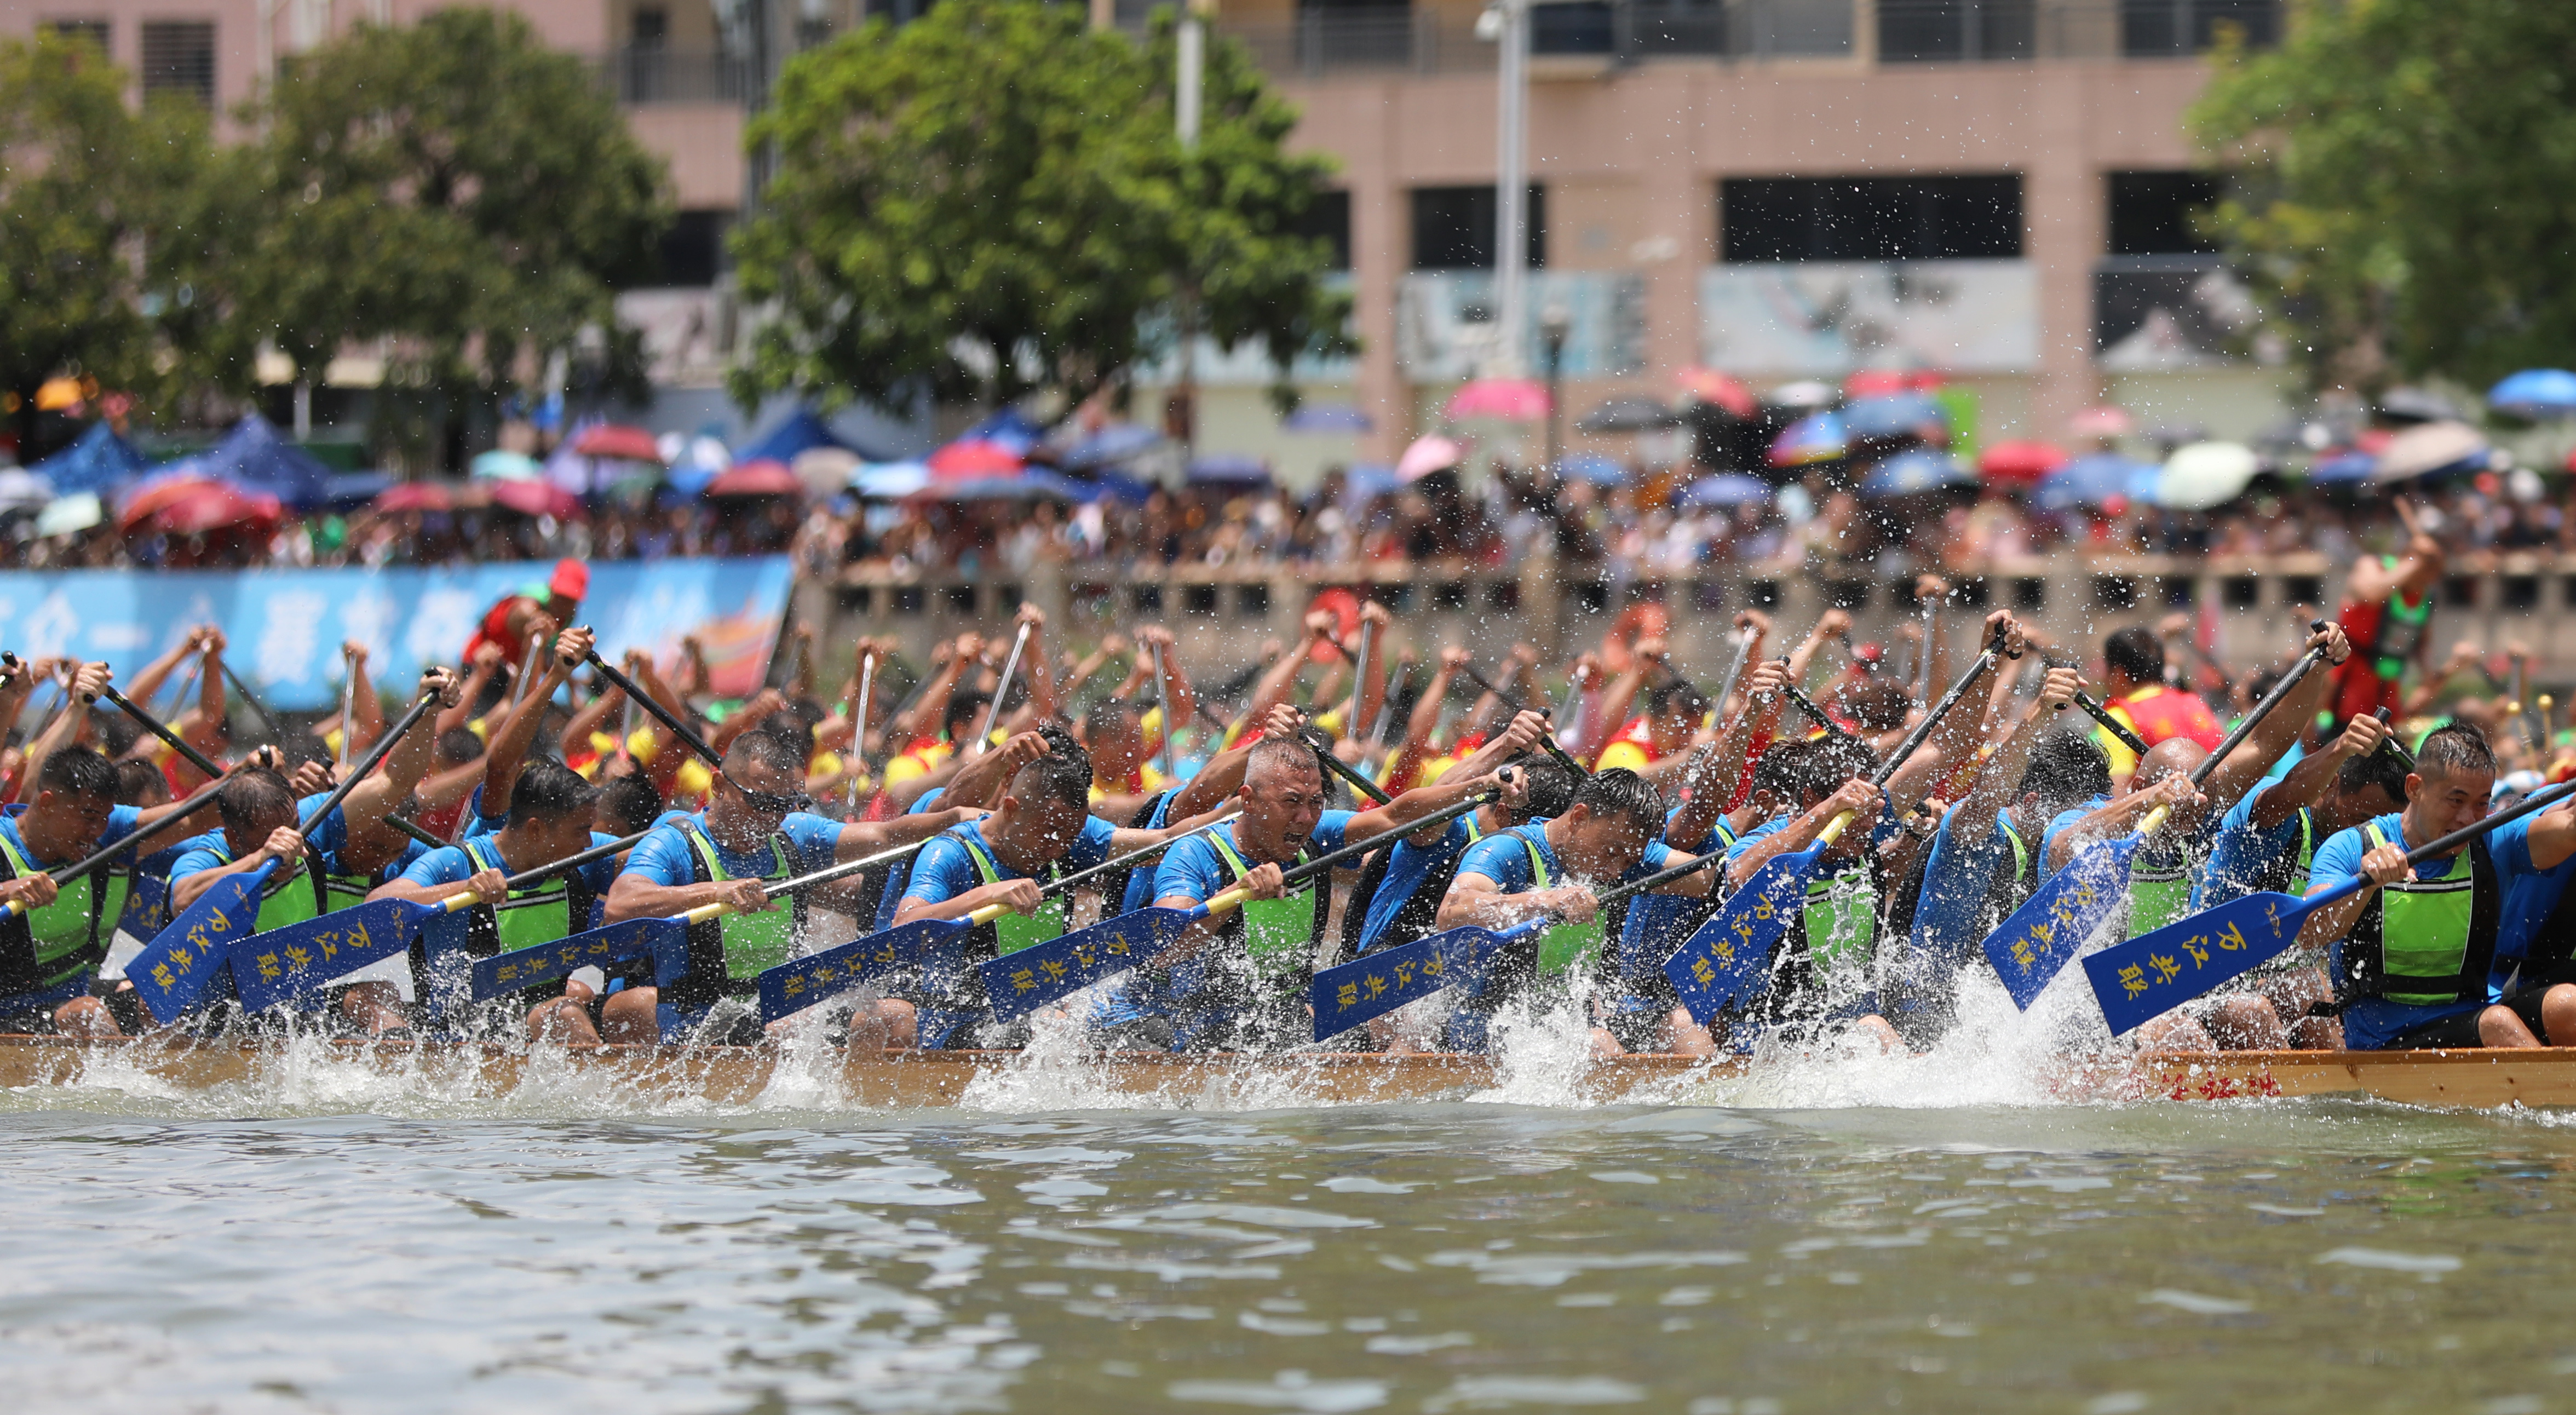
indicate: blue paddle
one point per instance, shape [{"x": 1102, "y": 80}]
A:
[
  {"x": 799, "y": 983},
  {"x": 173, "y": 971},
  {"x": 291, "y": 965},
  {"x": 1730, "y": 955},
  {"x": 2029, "y": 949},
  {"x": 1368, "y": 988},
  {"x": 2150, "y": 975},
  {"x": 1017, "y": 984}
]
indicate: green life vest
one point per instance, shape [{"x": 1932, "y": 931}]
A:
[
  {"x": 1563, "y": 946},
  {"x": 1013, "y": 932},
  {"x": 2426, "y": 942},
  {"x": 547, "y": 911},
  {"x": 1841, "y": 918},
  {"x": 2159, "y": 890},
  {"x": 750, "y": 943},
  {"x": 47, "y": 948},
  {"x": 2401, "y": 631},
  {"x": 1279, "y": 935}
]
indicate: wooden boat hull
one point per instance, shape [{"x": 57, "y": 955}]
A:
[{"x": 741, "y": 1075}]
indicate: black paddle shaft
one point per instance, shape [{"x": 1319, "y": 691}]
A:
[
  {"x": 140, "y": 834},
  {"x": 653, "y": 705},
  {"x": 1131, "y": 857},
  {"x": 2110, "y": 724},
  {"x": 1808, "y": 706},
  {"x": 1985, "y": 662},
  {"x": 275, "y": 733},
  {"x": 1546, "y": 741},
  {"x": 1359, "y": 781},
  {"x": 1299, "y": 874},
  {"x": 154, "y": 726},
  {"x": 375, "y": 758},
  {"x": 2262, "y": 709},
  {"x": 575, "y": 861}
]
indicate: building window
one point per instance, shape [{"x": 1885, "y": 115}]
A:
[
  {"x": 1328, "y": 218},
  {"x": 1453, "y": 227},
  {"x": 96, "y": 32},
  {"x": 899, "y": 12},
  {"x": 652, "y": 26},
  {"x": 1956, "y": 31},
  {"x": 2152, "y": 27},
  {"x": 1869, "y": 218},
  {"x": 693, "y": 249},
  {"x": 179, "y": 57},
  {"x": 2152, "y": 213}
]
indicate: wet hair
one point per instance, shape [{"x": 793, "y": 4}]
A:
[
  {"x": 1062, "y": 776},
  {"x": 1621, "y": 794},
  {"x": 1878, "y": 704},
  {"x": 630, "y": 803},
  {"x": 1551, "y": 788},
  {"x": 2066, "y": 768},
  {"x": 1279, "y": 751},
  {"x": 253, "y": 795},
  {"x": 78, "y": 771},
  {"x": 1830, "y": 762},
  {"x": 794, "y": 731},
  {"x": 458, "y": 746},
  {"x": 1676, "y": 697},
  {"x": 1109, "y": 712},
  {"x": 2455, "y": 747},
  {"x": 140, "y": 783},
  {"x": 965, "y": 711},
  {"x": 763, "y": 749},
  {"x": 116, "y": 732},
  {"x": 2137, "y": 653},
  {"x": 2383, "y": 769},
  {"x": 1780, "y": 767},
  {"x": 549, "y": 790}
]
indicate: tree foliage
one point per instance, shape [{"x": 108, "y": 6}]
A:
[
  {"x": 2399, "y": 168},
  {"x": 992, "y": 199}
]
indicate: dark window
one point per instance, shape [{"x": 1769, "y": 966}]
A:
[
  {"x": 2151, "y": 212},
  {"x": 1453, "y": 227},
  {"x": 1328, "y": 218},
  {"x": 652, "y": 27},
  {"x": 2151, "y": 27},
  {"x": 179, "y": 57},
  {"x": 901, "y": 12},
  {"x": 1869, "y": 218},
  {"x": 1573, "y": 27},
  {"x": 1954, "y": 31},
  {"x": 95, "y": 31},
  {"x": 693, "y": 249}
]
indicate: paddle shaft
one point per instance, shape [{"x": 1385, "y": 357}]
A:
[
  {"x": 1123, "y": 861},
  {"x": 1358, "y": 779},
  {"x": 1546, "y": 740},
  {"x": 1001, "y": 690},
  {"x": 1808, "y": 706},
  {"x": 1914, "y": 740},
  {"x": 415, "y": 832},
  {"x": 1734, "y": 669},
  {"x": 1299, "y": 874},
  {"x": 252, "y": 700},
  {"x": 153, "y": 725},
  {"x": 375, "y": 758},
  {"x": 2121, "y": 730},
  {"x": 1163, "y": 699},
  {"x": 2261, "y": 710},
  {"x": 660, "y": 713},
  {"x": 575, "y": 861},
  {"x": 137, "y": 836},
  {"x": 348, "y": 707},
  {"x": 859, "y": 729}
]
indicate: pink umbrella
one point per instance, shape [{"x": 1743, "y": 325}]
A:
[
  {"x": 1427, "y": 455},
  {"x": 761, "y": 478},
  {"x": 2107, "y": 421},
  {"x": 1516, "y": 400},
  {"x": 631, "y": 444},
  {"x": 975, "y": 457},
  {"x": 1707, "y": 385},
  {"x": 217, "y": 506},
  {"x": 414, "y": 496},
  {"x": 536, "y": 498}
]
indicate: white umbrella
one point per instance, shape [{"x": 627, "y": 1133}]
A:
[
  {"x": 20, "y": 487},
  {"x": 889, "y": 481},
  {"x": 825, "y": 470},
  {"x": 1427, "y": 455},
  {"x": 72, "y": 513},
  {"x": 2205, "y": 474},
  {"x": 2427, "y": 447}
]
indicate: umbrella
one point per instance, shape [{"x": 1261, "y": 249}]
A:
[
  {"x": 1328, "y": 418},
  {"x": 1367, "y": 481},
  {"x": 502, "y": 464},
  {"x": 1112, "y": 445},
  {"x": 890, "y": 480},
  {"x": 1229, "y": 469},
  {"x": 2105, "y": 422},
  {"x": 2414, "y": 405},
  {"x": 415, "y": 496},
  {"x": 1915, "y": 470},
  {"x": 2019, "y": 462},
  {"x": 1895, "y": 415},
  {"x": 1428, "y": 455},
  {"x": 73, "y": 513},
  {"x": 1817, "y": 437},
  {"x": 1881, "y": 382},
  {"x": 1029, "y": 486},
  {"x": 536, "y": 498},
  {"x": 2200, "y": 475},
  {"x": 2428, "y": 448},
  {"x": 217, "y": 506},
  {"x": 2096, "y": 480},
  {"x": 1517, "y": 400},
  {"x": 1713, "y": 389},
  {"x": 1806, "y": 393},
  {"x": 1594, "y": 468},
  {"x": 2535, "y": 393},
  {"x": 975, "y": 457},
  {"x": 2349, "y": 466},
  {"x": 20, "y": 487},
  {"x": 1726, "y": 489},
  {"x": 162, "y": 490},
  {"x": 1629, "y": 415},
  {"x": 824, "y": 470},
  {"x": 761, "y": 478},
  {"x": 632, "y": 444}
]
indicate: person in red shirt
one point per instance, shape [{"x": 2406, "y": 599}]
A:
[
  {"x": 2387, "y": 613},
  {"x": 2133, "y": 670},
  {"x": 512, "y": 618}
]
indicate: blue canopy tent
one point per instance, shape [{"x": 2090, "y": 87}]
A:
[
  {"x": 802, "y": 431},
  {"x": 97, "y": 462},
  {"x": 254, "y": 456}
]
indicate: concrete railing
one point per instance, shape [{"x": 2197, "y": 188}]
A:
[{"x": 1222, "y": 615}]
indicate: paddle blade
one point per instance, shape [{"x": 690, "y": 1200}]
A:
[
  {"x": 549, "y": 962},
  {"x": 2035, "y": 943},
  {"x": 1368, "y": 988},
  {"x": 172, "y": 972},
  {"x": 287, "y": 965},
  {"x": 799, "y": 983},
  {"x": 1020, "y": 983},
  {"x": 2145, "y": 977},
  {"x": 1730, "y": 955}
]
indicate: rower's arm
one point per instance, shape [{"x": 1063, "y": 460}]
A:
[
  {"x": 1692, "y": 886},
  {"x": 2553, "y": 836},
  {"x": 1217, "y": 782},
  {"x": 188, "y": 889},
  {"x": 2118, "y": 818},
  {"x": 2309, "y": 778},
  {"x": 2276, "y": 734},
  {"x": 636, "y": 897},
  {"x": 1856, "y": 796},
  {"x": 364, "y": 706},
  {"x": 147, "y": 684},
  {"x": 1281, "y": 679},
  {"x": 873, "y": 837},
  {"x": 981, "y": 779},
  {"x": 1413, "y": 805},
  {"x": 508, "y": 752},
  {"x": 1127, "y": 840}
]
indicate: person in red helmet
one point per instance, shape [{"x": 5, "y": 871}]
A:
[{"x": 509, "y": 621}]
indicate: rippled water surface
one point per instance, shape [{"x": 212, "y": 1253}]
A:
[{"x": 222, "y": 1253}]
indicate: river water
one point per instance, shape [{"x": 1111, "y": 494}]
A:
[{"x": 1806, "y": 1242}]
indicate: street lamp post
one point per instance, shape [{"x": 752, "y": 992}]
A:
[
  {"x": 1554, "y": 321},
  {"x": 1507, "y": 22}
]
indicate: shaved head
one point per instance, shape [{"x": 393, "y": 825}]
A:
[{"x": 2174, "y": 756}]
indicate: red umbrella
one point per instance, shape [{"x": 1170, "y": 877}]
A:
[
  {"x": 975, "y": 457},
  {"x": 761, "y": 478},
  {"x": 2019, "y": 462},
  {"x": 631, "y": 444},
  {"x": 1880, "y": 382},
  {"x": 414, "y": 496},
  {"x": 150, "y": 500},
  {"x": 1707, "y": 385},
  {"x": 536, "y": 498},
  {"x": 217, "y": 506}
]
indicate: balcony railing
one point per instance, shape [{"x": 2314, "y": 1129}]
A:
[{"x": 644, "y": 75}]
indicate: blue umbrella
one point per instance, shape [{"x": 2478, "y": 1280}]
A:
[
  {"x": 1330, "y": 418},
  {"x": 1895, "y": 415},
  {"x": 1817, "y": 437},
  {"x": 1116, "y": 443},
  {"x": 1909, "y": 472},
  {"x": 2352, "y": 466},
  {"x": 1230, "y": 468},
  {"x": 1726, "y": 489},
  {"x": 2535, "y": 393},
  {"x": 2094, "y": 479},
  {"x": 1027, "y": 486},
  {"x": 888, "y": 481},
  {"x": 1594, "y": 468}
]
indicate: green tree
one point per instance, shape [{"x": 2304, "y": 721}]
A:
[
  {"x": 992, "y": 199},
  {"x": 88, "y": 188},
  {"x": 2399, "y": 168},
  {"x": 455, "y": 189}
]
